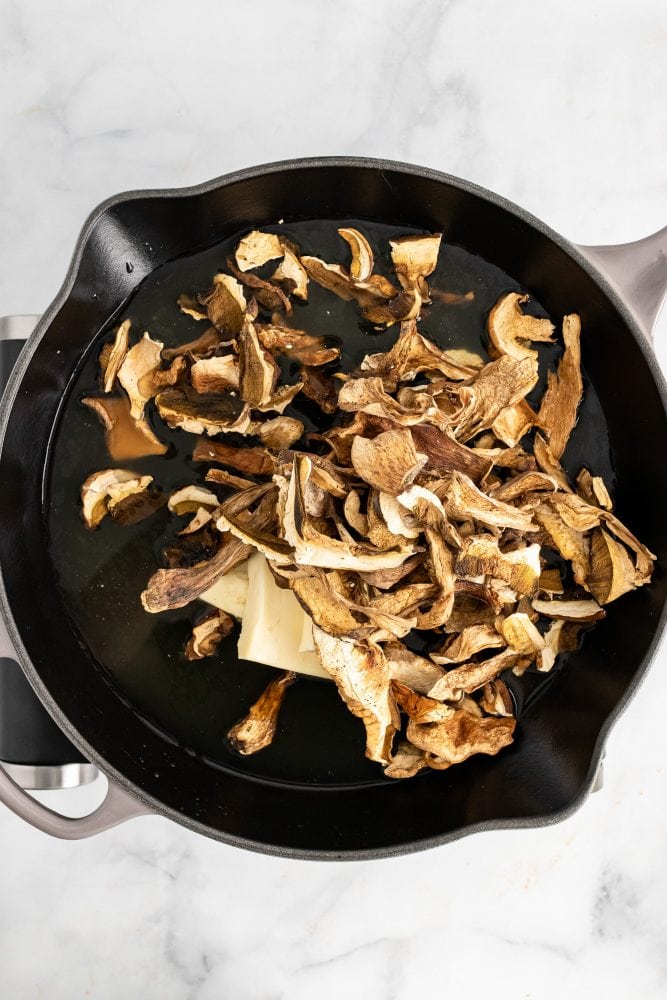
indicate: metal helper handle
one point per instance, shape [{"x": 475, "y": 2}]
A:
[
  {"x": 117, "y": 807},
  {"x": 23, "y": 709},
  {"x": 638, "y": 271}
]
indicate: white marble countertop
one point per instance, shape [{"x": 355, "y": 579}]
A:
[{"x": 560, "y": 107}]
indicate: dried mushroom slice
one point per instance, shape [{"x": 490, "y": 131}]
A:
[
  {"x": 496, "y": 699},
  {"x": 292, "y": 274},
  {"x": 413, "y": 353},
  {"x": 207, "y": 635},
  {"x": 511, "y": 330},
  {"x": 313, "y": 548},
  {"x": 612, "y": 572},
  {"x": 225, "y": 478},
  {"x": 361, "y": 265},
  {"x": 397, "y": 518},
  {"x": 368, "y": 395},
  {"x": 113, "y": 355},
  {"x": 296, "y": 344},
  {"x": 258, "y": 729},
  {"x": 558, "y": 411},
  {"x": 259, "y": 372},
  {"x": 471, "y": 676},
  {"x": 406, "y": 761},
  {"x": 520, "y": 568},
  {"x": 280, "y": 432},
  {"x": 125, "y": 437},
  {"x": 363, "y": 679},
  {"x": 571, "y": 544},
  {"x": 135, "y": 374},
  {"x": 593, "y": 489},
  {"x": 102, "y": 491},
  {"x": 320, "y": 388},
  {"x": 194, "y": 349},
  {"x": 416, "y": 672},
  {"x": 459, "y": 737},
  {"x": 225, "y": 304},
  {"x": 500, "y": 384},
  {"x": 546, "y": 657},
  {"x": 256, "y": 249},
  {"x": 418, "y": 707},
  {"x": 222, "y": 413},
  {"x": 414, "y": 259},
  {"x": 551, "y": 581},
  {"x": 253, "y": 461},
  {"x": 174, "y": 588},
  {"x": 280, "y": 399},
  {"x": 337, "y": 279},
  {"x": 404, "y": 306},
  {"x": 471, "y": 640},
  {"x": 444, "y": 454},
  {"x": 514, "y": 422},
  {"x": 215, "y": 375},
  {"x": 462, "y": 499},
  {"x": 268, "y": 295},
  {"x": 526, "y": 482},
  {"x": 549, "y": 463},
  {"x": 578, "y": 611},
  {"x": 188, "y": 499},
  {"x": 389, "y": 462},
  {"x": 520, "y": 633}
]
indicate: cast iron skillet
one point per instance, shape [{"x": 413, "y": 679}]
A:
[{"x": 552, "y": 766}]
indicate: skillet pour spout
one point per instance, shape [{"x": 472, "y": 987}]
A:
[{"x": 556, "y": 759}]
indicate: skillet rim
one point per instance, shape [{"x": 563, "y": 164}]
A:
[{"x": 23, "y": 362}]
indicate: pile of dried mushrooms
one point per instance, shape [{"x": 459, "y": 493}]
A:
[{"x": 436, "y": 501}]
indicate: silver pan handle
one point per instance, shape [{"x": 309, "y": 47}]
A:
[
  {"x": 117, "y": 807},
  {"x": 638, "y": 272}
]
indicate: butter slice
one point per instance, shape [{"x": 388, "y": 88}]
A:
[
  {"x": 229, "y": 593},
  {"x": 273, "y": 624}
]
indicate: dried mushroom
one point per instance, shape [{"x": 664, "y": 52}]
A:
[
  {"x": 125, "y": 436},
  {"x": 207, "y": 635},
  {"x": 254, "y": 461},
  {"x": 292, "y": 274},
  {"x": 511, "y": 330},
  {"x": 431, "y": 507},
  {"x": 102, "y": 492},
  {"x": 470, "y": 641},
  {"x": 198, "y": 414},
  {"x": 135, "y": 374},
  {"x": 296, "y": 344},
  {"x": 280, "y": 432},
  {"x": 225, "y": 304},
  {"x": 459, "y": 737},
  {"x": 558, "y": 411},
  {"x": 415, "y": 258},
  {"x": 389, "y": 462},
  {"x": 363, "y": 679},
  {"x": 214, "y": 375},
  {"x": 112, "y": 359},
  {"x": 257, "y": 248},
  {"x": 257, "y": 729},
  {"x": 361, "y": 265},
  {"x": 189, "y": 499}
]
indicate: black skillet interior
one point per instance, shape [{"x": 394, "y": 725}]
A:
[{"x": 314, "y": 796}]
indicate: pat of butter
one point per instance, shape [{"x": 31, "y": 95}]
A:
[
  {"x": 273, "y": 625},
  {"x": 229, "y": 593}
]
